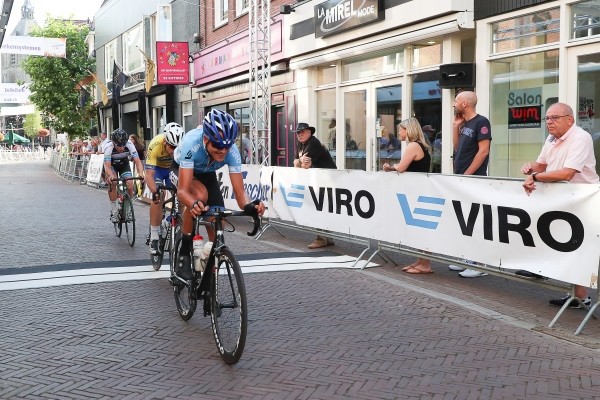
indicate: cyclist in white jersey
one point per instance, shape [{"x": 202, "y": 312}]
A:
[{"x": 200, "y": 153}]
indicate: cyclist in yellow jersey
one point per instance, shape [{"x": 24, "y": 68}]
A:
[{"x": 158, "y": 166}]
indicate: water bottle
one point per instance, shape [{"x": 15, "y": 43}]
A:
[
  {"x": 166, "y": 223},
  {"x": 197, "y": 246},
  {"x": 205, "y": 254}
]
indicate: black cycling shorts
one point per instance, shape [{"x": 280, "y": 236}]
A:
[{"x": 210, "y": 182}]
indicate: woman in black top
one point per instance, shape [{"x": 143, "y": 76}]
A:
[{"x": 416, "y": 157}]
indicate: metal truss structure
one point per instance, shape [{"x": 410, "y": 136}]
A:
[{"x": 260, "y": 80}]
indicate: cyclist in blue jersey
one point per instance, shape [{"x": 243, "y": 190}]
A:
[
  {"x": 117, "y": 153},
  {"x": 201, "y": 152}
]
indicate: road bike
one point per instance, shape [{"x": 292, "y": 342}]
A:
[
  {"x": 220, "y": 287},
  {"x": 170, "y": 227},
  {"x": 125, "y": 213}
]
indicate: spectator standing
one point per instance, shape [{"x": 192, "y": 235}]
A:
[
  {"x": 104, "y": 141},
  {"x": 471, "y": 137},
  {"x": 567, "y": 155},
  {"x": 139, "y": 146},
  {"x": 312, "y": 154},
  {"x": 415, "y": 158}
]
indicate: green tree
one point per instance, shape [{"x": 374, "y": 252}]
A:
[
  {"x": 32, "y": 124},
  {"x": 54, "y": 81}
]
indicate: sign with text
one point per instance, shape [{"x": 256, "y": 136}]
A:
[
  {"x": 172, "y": 64},
  {"x": 35, "y": 46},
  {"x": 524, "y": 108},
  {"x": 335, "y": 16},
  {"x": 14, "y": 93}
]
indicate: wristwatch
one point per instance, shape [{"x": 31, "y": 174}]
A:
[{"x": 533, "y": 176}]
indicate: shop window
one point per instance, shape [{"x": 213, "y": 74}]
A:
[
  {"x": 426, "y": 56},
  {"x": 586, "y": 19},
  {"x": 523, "y": 87},
  {"x": 427, "y": 109},
  {"x": 221, "y": 11},
  {"x": 326, "y": 74},
  {"x": 370, "y": 65},
  {"x": 389, "y": 113},
  {"x": 526, "y": 31},
  {"x": 244, "y": 142},
  {"x": 326, "y": 125}
]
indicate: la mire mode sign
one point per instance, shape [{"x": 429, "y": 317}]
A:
[{"x": 335, "y": 16}]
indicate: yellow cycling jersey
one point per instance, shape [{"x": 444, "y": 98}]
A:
[{"x": 157, "y": 155}]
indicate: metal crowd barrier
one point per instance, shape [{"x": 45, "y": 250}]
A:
[
  {"x": 70, "y": 167},
  {"x": 9, "y": 156}
]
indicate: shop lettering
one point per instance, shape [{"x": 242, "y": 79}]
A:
[
  {"x": 521, "y": 223},
  {"x": 523, "y": 99},
  {"x": 525, "y": 113},
  {"x": 343, "y": 198},
  {"x": 342, "y": 11}
]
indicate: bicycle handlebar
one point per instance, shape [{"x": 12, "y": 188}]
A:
[
  {"x": 170, "y": 188},
  {"x": 221, "y": 213},
  {"x": 131, "y": 178}
]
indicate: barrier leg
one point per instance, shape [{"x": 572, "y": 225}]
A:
[
  {"x": 265, "y": 227},
  {"x": 587, "y": 318}
]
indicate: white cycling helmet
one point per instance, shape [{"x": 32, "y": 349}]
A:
[{"x": 173, "y": 133}]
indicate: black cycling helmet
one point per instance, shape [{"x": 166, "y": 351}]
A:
[
  {"x": 220, "y": 128},
  {"x": 119, "y": 137}
]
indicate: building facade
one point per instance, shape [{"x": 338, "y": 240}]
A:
[
  {"x": 122, "y": 29},
  {"x": 530, "y": 55}
]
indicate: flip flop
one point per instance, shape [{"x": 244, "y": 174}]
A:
[{"x": 418, "y": 271}]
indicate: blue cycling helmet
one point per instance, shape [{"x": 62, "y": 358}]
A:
[
  {"x": 220, "y": 128},
  {"x": 119, "y": 136}
]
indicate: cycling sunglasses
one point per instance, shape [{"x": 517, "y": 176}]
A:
[{"x": 220, "y": 146}]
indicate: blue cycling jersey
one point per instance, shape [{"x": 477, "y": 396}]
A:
[{"x": 191, "y": 154}]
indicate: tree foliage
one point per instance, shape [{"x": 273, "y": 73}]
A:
[
  {"x": 32, "y": 124},
  {"x": 54, "y": 81}
]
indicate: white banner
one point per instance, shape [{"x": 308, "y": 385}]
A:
[
  {"x": 35, "y": 46},
  {"x": 554, "y": 232},
  {"x": 94, "y": 171},
  {"x": 14, "y": 93},
  {"x": 257, "y": 184}
]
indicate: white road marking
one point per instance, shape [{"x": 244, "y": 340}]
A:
[{"x": 117, "y": 274}]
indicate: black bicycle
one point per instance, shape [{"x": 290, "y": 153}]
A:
[
  {"x": 170, "y": 227},
  {"x": 221, "y": 286},
  {"x": 126, "y": 215}
]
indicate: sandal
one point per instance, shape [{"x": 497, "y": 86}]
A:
[
  {"x": 411, "y": 266},
  {"x": 416, "y": 270}
]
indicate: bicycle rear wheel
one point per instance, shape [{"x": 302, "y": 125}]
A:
[
  {"x": 185, "y": 298},
  {"x": 228, "y": 314},
  {"x": 129, "y": 219}
]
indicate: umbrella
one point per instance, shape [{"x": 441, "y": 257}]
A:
[{"x": 12, "y": 138}]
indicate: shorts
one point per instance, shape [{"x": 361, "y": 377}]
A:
[
  {"x": 162, "y": 175},
  {"x": 208, "y": 179},
  {"x": 122, "y": 169}
]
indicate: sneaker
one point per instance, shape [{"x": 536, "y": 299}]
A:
[
  {"x": 456, "y": 268},
  {"x": 154, "y": 247},
  {"x": 320, "y": 242},
  {"x": 184, "y": 268},
  {"x": 471, "y": 273},
  {"x": 114, "y": 217},
  {"x": 573, "y": 304}
]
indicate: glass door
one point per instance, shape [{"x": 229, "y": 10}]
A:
[
  {"x": 585, "y": 94},
  {"x": 353, "y": 133}
]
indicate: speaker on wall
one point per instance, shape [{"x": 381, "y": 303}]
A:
[{"x": 457, "y": 75}]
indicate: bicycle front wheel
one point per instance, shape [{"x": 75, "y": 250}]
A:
[
  {"x": 185, "y": 298},
  {"x": 229, "y": 316},
  {"x": 129, "y": 220}
]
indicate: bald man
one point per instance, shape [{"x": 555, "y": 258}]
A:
[{"x": 471, "y": 136}]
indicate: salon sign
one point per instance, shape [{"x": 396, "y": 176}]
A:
[
  {"x": 524, "y": 108},
  {"x": 335, "y": 16}
]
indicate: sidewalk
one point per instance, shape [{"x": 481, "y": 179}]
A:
[{"x": 328, "y": 334}]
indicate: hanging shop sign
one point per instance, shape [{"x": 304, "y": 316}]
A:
[
  {"x": 172, "y": 64},
  {"x": 335, "y": 16}
]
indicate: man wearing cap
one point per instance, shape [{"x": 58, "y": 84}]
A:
[{"x": 312, "y": 154}]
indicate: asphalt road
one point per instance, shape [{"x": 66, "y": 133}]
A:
[{"x": 324, "y": 333}]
